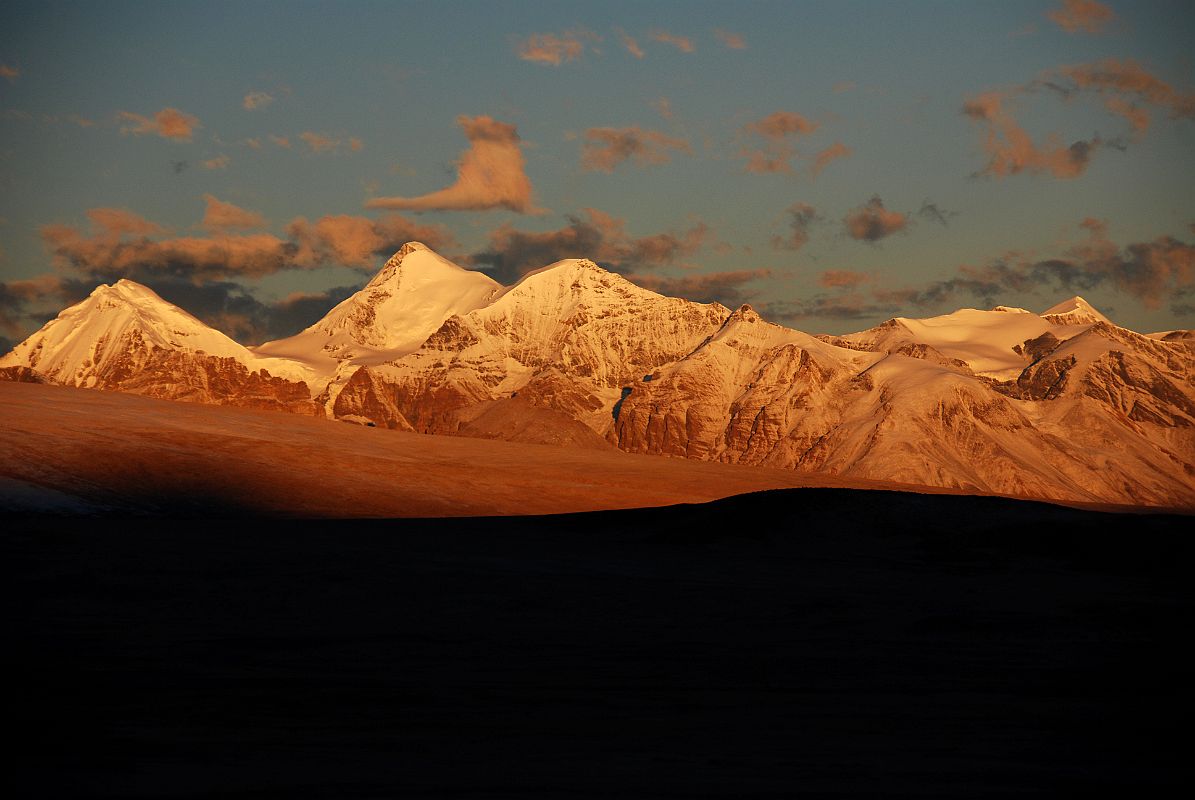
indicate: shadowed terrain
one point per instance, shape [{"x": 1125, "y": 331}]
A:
[
  {"x": 78, "y": 451},
  {"x": 802, "y": 640}
]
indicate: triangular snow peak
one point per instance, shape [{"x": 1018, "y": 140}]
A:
[
  {"x": 405, "y": 302},
  {"x": 1074, "y": 311}
]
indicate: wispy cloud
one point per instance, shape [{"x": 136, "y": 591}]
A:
[
  {"x": 9, "y": 72},
  {"x": 169, "y": 123},
  {"x": 511, "y": 253},
  {"x": 800, "y": 217},
  {"x": 823, "y": 158},
  {"x": 871, "y": 222},
  {"x": 220, "y": 215},
  {"x": 606, "y": 148},
  {"x": 218, "y": 162},
  {"x": 735, "y": 41},
  {"x": 1082, "y": 16},
  {"x": 255, "y": 100},
  {"x": 681, "y": 43},
  {"x": 629, "y": 42},
  {"x": 554, "y": 49},
  {"x": 490, "y": 174},
  {"x": 778, "y": 130}
]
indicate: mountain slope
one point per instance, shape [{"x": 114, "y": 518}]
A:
[
  {"x": 125, "y": 337},
  {"x": 566, "y": 337},
  {"x": 1063, "y": 405},
  {"x": 404, "y": 303}
]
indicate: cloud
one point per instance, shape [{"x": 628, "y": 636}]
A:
[
  {"x": 319, "y": 142},
  {"x": 355, "y": 144},
  {"x": 848, "y": 306},
  {"x": 872, "y": 222},
  {"x": 777, "y": 129},
  {"x": 735, "y": 41},
  {"x": 1115, "y": 77},
  {"x": 823, "y": 158},
  {"x": 1082, "y": 16},
  {"x": 222, "y": 216},
  {"x": 9, "y": 72},
  {"x": 933, "y": 212},
  {"x": 511, "y": 253},
  {"x": 1010, "y": 149},
  {"x": 663, "y": 107},
  {"x": 713, "y": 287},
  {"x": 122, "y": 244},
  {"x": 682, "y": 43},
  {"x": 801, "y": 216},
  {"x": 358, "y": 241},
  {"x": 280, "y": 141},
  {"x": 606, "y": 148},
  {"x": 490, "y": 174},
  {"x": 629, "y": 43},
  {"x": 219, "y": 162},
  {"x": 780, "y": 124},
  {"x": 1151, "y": 272},
  {"x": 1137, "y": 117},
  {"x": 554, "y": 49},
  {"x": 1127, "y": 90},
  {"x": 121, "y": 222},
  {"x": 843, "y": 86},
  {"x": 169, "y": 123},
  {"x": 20, "y": 298},
  {"x": 179, "y": 167},
  {"x": 842, "y": 279},
  {"x": 254, "y": 100}
]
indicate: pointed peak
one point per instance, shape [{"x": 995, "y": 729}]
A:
[
  {"x": 1074, "y": 311},
  {"x": 745, "y": 313},
  {"x": 404, "y": 251}
]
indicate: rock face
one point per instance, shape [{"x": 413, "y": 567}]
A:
[{"x": 1063, "y": 405}]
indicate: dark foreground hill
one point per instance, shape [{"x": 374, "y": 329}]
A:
[{"x": 820, "y": 640}]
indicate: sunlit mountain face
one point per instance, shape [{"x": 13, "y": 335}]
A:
[{"x": 1064, "y": 405}]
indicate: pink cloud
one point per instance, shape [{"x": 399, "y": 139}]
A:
[
  {"x": 554, "y": 49},
  {"x": 682, "y": 43},
  {"x": 169, "y": 123},
  {"x": 254, "y": 100},
  {"x": 629, "y": 43},
  {"x": 1113, "y": 76},
  {"x": 280, "y": 141},
  {"x": 9, "y": 72},
  {"x": 319, "y": 142},
  {"x": 781, "y": 124},
  {"x": 1010, "y": 149},
  {"x": 357, "y": 241},
  {"x": 824, "y": 157},
  {"x": 842, "y": 279},
  {"x": 872, "y": 222},
  {"x": 606, "y": 148},
  {"x": 735, "y": 41},
  {"x": 490, "y": 174},
  {"x": 801, "y": 216},
  {"x": 219, "y": 162},
  {"x": 1082, "y": 16},
  {"x": 220, "y": 216}
]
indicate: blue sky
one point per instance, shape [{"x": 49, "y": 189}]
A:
[{"x": 225, "y": 153}]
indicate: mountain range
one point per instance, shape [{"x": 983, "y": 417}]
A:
[{"x": 1062, "y": 405}]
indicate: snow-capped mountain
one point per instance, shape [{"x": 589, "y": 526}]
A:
[
  {"x": 1062, "y": 405},
  {"x": 409, "y": 298},
  {"x": 127, "y": 338},
  {"x": 567, "y": 337}
]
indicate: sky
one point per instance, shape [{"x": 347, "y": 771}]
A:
[{"x": 834, "y": 164}]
